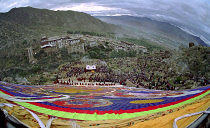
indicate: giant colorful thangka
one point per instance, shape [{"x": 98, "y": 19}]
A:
[{"x": 101, "y": 106}]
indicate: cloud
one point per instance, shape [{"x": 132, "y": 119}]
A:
[
  {"x": 85, "y": 7},
  {"x": 6, "y": 5},
  {"x": 194, "y": 15}
]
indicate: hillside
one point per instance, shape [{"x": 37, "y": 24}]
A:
[
  {"x": 27, "y": 23},
  {"x": 13, "y": 32},
  {"x": 160, "y": 32}
]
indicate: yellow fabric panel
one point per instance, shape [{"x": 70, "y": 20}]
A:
[
  {"x": 145, "y": 101},
  {"x": 60, "y": 122},
  {"x": 167, "y": 120},
  {"x": 23, "y": 115},
  {"x": 194, "y": 108},
  {"x": 3, "y": 100},
  {"x": 44, "y": 118},
  {"x": 73, "y": 90}
]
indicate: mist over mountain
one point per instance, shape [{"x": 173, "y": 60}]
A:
[
  {"x": 26, "y": 23},
  {"x": 160, "y": 32}
]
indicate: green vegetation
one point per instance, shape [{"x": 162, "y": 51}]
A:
[
  {"x": 22, "y": 28},
  {"x": 42, "y": 80},
  {"x": 99, "y": 52},
  {"x": 149, "y": 45},
  {"x": 15, "y": 62},
  {"x": 85, "y": 33},
  {"x": 122, "y": 53},
  {"x": 24, "y": 42},
  {"x": 30, "y": 24},
  {"x": 178, "y": 79},
  {"x": 197, "y": 58}
]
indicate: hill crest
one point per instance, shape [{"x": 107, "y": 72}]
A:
[{"x": 47, "y": 22}]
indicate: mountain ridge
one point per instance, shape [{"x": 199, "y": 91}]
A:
[
  {"x": 47, "y": 22},
  {"x": 153, "y": 30}
]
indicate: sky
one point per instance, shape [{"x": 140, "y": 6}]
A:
[{"x": 193, "y": 16}]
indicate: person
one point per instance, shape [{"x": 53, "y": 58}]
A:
[{"x": 167, "y": 86}]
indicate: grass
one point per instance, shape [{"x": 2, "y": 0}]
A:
[{"x": 142, "y": 42}]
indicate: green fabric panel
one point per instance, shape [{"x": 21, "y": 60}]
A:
[
  {"x": 140, "y": 113},
  {"x": 102, "y": 117},
  {"x": 40, "y": 109},
  {"x": 105, "y": 116},
  {"x": 79, "y": 116},
  {"x": 114, "y": 116},
  {"x": 69, "y": 115},
  {"x": 118, "y": 116},
  {"x": 44, "y": 110},
  {"x": 21, "y": 103},
  {"x": 35, "y": 108},
  {"x": 59, "y": 114},
  {"x": 50, "y": 112},
  {"x": 132, "y": 115},
  {"x": 91, "y": 117},
  {"x": 2, "y": 92},
  {"x": 155, "y": 111},
  {"x": 27, "y": 105},
  {"x": 110, "y": 116},
  {"x": 125, "y": 115}
]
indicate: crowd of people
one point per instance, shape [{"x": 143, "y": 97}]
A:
[{"x": 153, "y": 72}]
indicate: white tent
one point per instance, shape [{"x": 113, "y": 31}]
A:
[{"x": 90, "y": 67}]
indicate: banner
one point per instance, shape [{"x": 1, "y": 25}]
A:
[{"x": 90, "y": 67}]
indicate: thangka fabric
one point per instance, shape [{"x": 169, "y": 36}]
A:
[{"x": 100, "y": 104}]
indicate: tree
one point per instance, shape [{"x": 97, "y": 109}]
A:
[
  {"x": 42, "y": 80},
  {"x": 108, "y": 50},
  {"x": 113, "y": 54},
  {"x": 70, "y": 32},
  {"x": 24, "y": 42},
  {"x": 102, "y": 55},
  {"x": 131, "y": 53},
  {"x": 17, "y": 45},
  {"x": 36, "y": 69},
  {"x": 93, "y": 54},
  {"x": 121, "y": 53},
  {"x": 64, "y": 52}
]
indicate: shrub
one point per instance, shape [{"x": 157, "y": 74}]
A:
[{"x": 178, "y": 79}]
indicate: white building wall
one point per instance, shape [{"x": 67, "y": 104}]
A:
[{"x": 60, "y": 44}]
